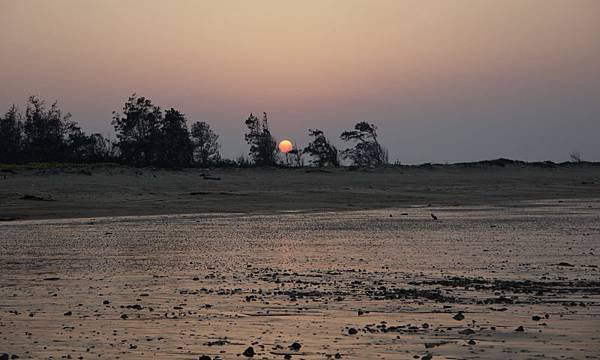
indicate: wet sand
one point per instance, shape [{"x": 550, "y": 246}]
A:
[{"x": 370, "y": 284}]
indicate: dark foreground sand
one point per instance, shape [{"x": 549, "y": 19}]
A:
[{"x": 112, "y": 191}]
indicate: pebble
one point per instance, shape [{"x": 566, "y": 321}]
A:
[
  {"x": 459, "y": 316},
  {"x": 249, "y": 352}
]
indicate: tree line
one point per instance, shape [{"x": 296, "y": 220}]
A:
[{"x": 147, "y": 135}]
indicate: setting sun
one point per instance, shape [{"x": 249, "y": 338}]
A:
[{"x": 285, "y": 146}]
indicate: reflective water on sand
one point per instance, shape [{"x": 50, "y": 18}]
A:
[{"x": 368, "y": 284}]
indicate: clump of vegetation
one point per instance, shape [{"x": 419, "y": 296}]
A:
[
  {"x": 367, "y": 152},
  {"x": 321, "y": 151},
  {"x": 44, "y": 134},
  {"x": 262, "y": 144},
  {"x": 148, "y": 136},
  {"x": 575, "y": 157},
  {"x": 205, "y": 145}
]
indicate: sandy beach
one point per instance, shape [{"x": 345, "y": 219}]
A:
[
  {"x": 492, "y": 282},
  {"x": 301, "y": 265},
  {"x": 91, "y": 191}
]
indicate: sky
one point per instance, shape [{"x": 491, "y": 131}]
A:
[{"x": 444, "y": 81}]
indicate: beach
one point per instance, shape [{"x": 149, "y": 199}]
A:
[{"x": 429, "y": 273}]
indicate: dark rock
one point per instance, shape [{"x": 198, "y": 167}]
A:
[
  {"x": 471, "y": 342},
  {"x": 352, "y": 331},
  {"x": 35, "y": 198},
  {"x": 536, "y": 318},
  {"x": 68, "y": 313},
  {"x": 427, "y": 356},
  {"x": 204, "y": 357},
  {"x": 520, "y": 329},
  {"x": 566, "y": 264},
  {"x": 124, "y": 316},
  {"x": 459, "y": 316},
  {"x": 249, "y": 352},
  {"x": 337, "y": 356},
  {"x": 296, "y": 346},
  {"x": 4, "y": 356},
  {"x": 467, "y": 332}
]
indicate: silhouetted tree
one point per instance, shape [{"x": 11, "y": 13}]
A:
[
  {"x": 204, "y": 141},
  {"x": 367, "y": 152},
  {"x": 138, "y": 131},
  {"x": 100, "y": 149},
  {"x": 89, "y": 148},
  {"x": 47, "y": 132},
  {"x": 575, "y": 157},
  {"x": 322, "y": 152},
  {"x": 295, "y": 157},
  {"x": 175, "y": 144},
  {"x": 262, "y": 144},
  {"x": 11, "y": 137}
]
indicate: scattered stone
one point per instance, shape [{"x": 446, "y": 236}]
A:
[
  {"x": 296, "y": 346},
  {"x": 566, "y": 264},
  {"x": 520, "y": 329},
  {"x": 204, "y": 357},
  {"x": 467, "y": 332},
  {"x": 536, "y": 318},
  {"x": 427, "y": 356},
  {"x": 68, "y": 313},
  {"x": 36, "y": 198},
  {"x": 472, "y": 342},
  {"x": 459, "y": 316},
  {"x": 249, "y": 352},
  {"x": 352, "y": 331}
]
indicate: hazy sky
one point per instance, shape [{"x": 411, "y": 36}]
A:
[{"x": 447, "y": 80}]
